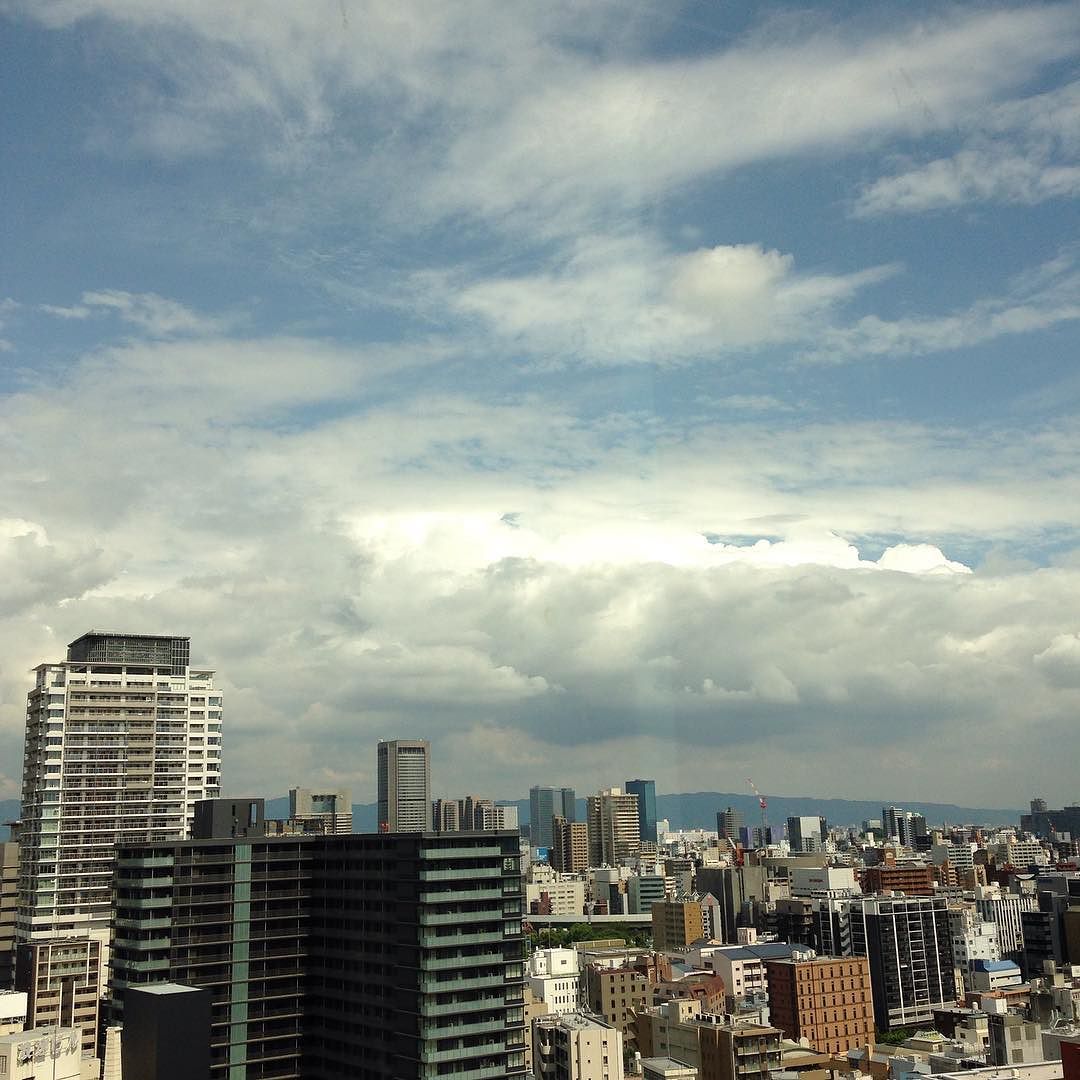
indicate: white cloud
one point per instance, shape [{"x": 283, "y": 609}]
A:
[
  {"x": 626, "y": 299},
  {"x": 1038, "y": 300},
  {"x": 1024, "y": 151}
]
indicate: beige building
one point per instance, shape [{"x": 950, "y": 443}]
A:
[
  {"x": 12, "y": 1011},
  {"x": 614, "y": 831},
  {"x": 616, "y": 994},
  {"x": 824, "y": 999},
  {"x": 61, "y": 979},
  {"x": 576, "y": 1046},
  {"x": 677, "y": 924},
  {"x": 570, "y": 845},
  {"x": 719, "y": 1051},
  {"x": 533, "y": 1010}
]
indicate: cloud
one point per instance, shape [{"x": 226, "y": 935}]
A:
[
  {"x": 370, "y": 571},
  {"x": 627, "y": 299},
  {"x": 155, "y": 316},
  {"x": 1024, "y": 151},
  {"x": 1038, "y": 300}
]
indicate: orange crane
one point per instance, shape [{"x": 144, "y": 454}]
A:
[{"x": 764, "y": 807}]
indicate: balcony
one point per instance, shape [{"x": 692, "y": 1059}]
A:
[
  {"x": 433, "y": 986},
  {"x": 451, "y": 918},
  {"x": 460, "y": 1053},
  {"x": 451, "y": 1008}
]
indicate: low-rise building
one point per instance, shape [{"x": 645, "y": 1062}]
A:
[
  {"x": 824, "y": 999},
  {"x": 576, "y": 1046},
  {"x": 45, "y": 1053},
  {"x": 553, "y": 975}
]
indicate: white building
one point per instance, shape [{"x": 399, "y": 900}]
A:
[
  {"x": 742, "y": 971},
  {"x": 576, "y": 1047},
  {"x": 807, "y": 880},
  {"x": 122, "y": 739},
  {"x": 404, "y": 785},
  {"x": 1023, "y": 853},
  {"x": 554, "y": 977},
  {"x": 45, "y": 1054},
  {"x": 961, "y": 857},
  {"x": 12, "y": 1011},
  {"x": 973, "y": 938},
  {"x": 1002, "y": 908},
  {"x": 614, "y": 828},
  {"x": 565, "y": 894}
]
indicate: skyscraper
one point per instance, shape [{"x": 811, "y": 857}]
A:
[
  {"x": 327, "y": 956},
  {"x": 404, "y": 777},
  {"x": 614, "y": 831},
  {"x": 807, "y": 834},
  {"x": 728, "y": 824},
  {"x": 122, "y": 739},
  {"x": 546, "y": 803},
  {"x": 645, "y": 790}
]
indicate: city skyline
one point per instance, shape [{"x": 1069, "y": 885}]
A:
[{"x": 668, "y": 392}]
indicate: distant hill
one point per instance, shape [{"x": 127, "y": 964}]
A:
[{"x": 697, "y": 810}]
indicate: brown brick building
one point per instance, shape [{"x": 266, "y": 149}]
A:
[
  {"x": 616, "y": 994},
  {"x": 910, "y": 879},
  {"x": 825, "y": 999}
]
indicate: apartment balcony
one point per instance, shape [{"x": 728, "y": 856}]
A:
[
  {"x": 452, "y": 1008},
  {"x": 486, "y": 937},
  {"x": 462, "y": 1053},
  {"x": 432, "y": 897},
  {"x": 452, "y": 918},
  {"x": 489, "y": 851},
  {"x": 471, "y": 873},
  {"x": 434, "y": 986},
  {"x": 452, "y": 1031},
  {"x": 445, "y": 963}
]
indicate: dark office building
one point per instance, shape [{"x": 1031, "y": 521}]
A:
[
  {"x": 728, "y": 824},
  {"x": 546, "y": 803},
  {"x": 909, "y": 945},
  {"x": 1043, "y": 822},
  {"x": 645, "y": 790},
  {"x": 381, "y": 955}
]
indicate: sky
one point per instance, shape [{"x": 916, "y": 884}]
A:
[{"x": 682, "y": 390}]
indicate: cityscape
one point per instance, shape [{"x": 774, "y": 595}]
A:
[
  {"x": 154, "y": 927},
  {"x": 540, "y": 540}
]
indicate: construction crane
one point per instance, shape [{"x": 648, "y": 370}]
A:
[{"x": 764, "y": 807}]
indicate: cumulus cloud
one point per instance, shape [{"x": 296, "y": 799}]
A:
[
  {"x": 625, "y": 299},
  {"x": 368, "y": 574}
]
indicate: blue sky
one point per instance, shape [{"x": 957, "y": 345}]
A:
[{"x": 652, "y": 389}]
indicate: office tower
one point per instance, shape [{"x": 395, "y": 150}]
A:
[
  {"x": 546, "y": 803},
  {"x": 576, "y": 1046},
  {"x": 122, "y": 739},
  {"x": 645, "y": 790},
  {"x": 9, "y": 898},
  {"x": 325, "y": 811},
  {"x": 644, "y": 890},
  {"x": 729, "y": 822},
  {"x": 404, "y": 776},
  {"x": 614, "y": 832},
  {"x": 807, "y": 834},
  {"x": 385, "y": 954},
  {"x": 826, "y": 999},
  {"x": 677, "y": 924},
  {"x": 569, "y": 851},
  {"x": 908, "y": 944}
]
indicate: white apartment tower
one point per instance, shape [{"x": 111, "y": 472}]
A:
[
  {"x": 404, "y": 779},
  {"x": 614, "y": 829},
  {"x": 122, "y": 739}
]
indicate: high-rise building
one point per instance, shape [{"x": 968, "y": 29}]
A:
[
  {"x": 326, "y": 811},
  {"x": 728, "y": 824},
  {"x": 645, "y": 790},
  {"x": 614, "y": 832},
  {"x": 826, "y": 999},
  {"x": 807, "y": 834},
  {"x": 569, "y": 851},
  {"x": 379, "y": 955},
  {"x": 908, "y": 944},
  {"x": 9, "y": 898},
  {"x": 546, "y": 803},
  {"x": 404, "y": 779},
  {"x": 122, "y": 739}
]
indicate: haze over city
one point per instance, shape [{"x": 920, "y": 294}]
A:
[{"x": 595, "y": 391}]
